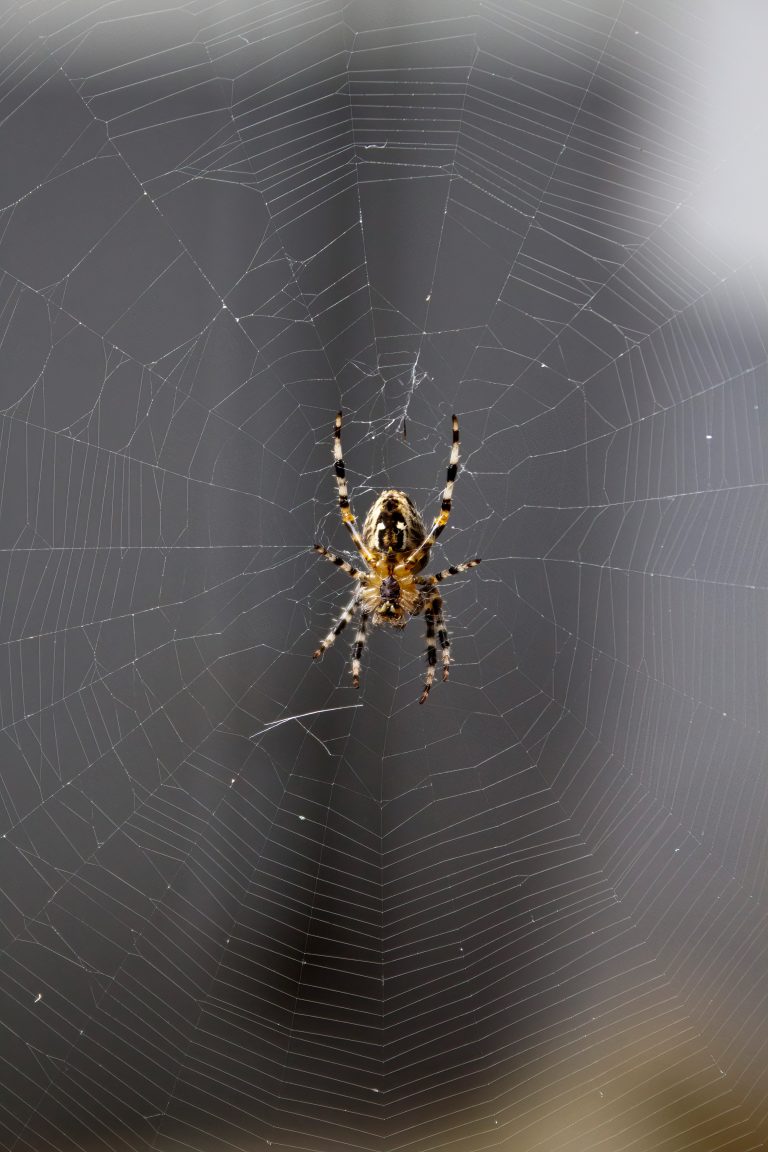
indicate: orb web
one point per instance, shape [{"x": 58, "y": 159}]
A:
[{"x": 243, "y": 905}]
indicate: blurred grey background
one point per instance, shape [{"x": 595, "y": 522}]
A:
[{"x": 242, "y": 905}]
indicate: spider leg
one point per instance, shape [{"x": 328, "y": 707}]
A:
[
  {"x": 454, "y": 570},
  {"x": 357, "y": 649},
  {"x": 431, "y": 653},
  {"x": 345, "y": 507},
  {"x": 434, "y": 615},
  {"x": 355, "y": 573},
  {"x": 436, "y": 606},
  {"x": 443, "y": 516},
  {"x": 338, "y": 627}
]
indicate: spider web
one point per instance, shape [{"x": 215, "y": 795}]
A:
[{"x": 244, "y": 906}]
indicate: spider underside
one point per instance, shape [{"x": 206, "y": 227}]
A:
[{"x": 395, "y": 547}]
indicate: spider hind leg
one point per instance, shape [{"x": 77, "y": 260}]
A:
[
  {"x": 337, "y": 628},
  {"x": 357, "y": 649},
  {"x": 431, "y": 654},
  {"x": 434, "y": 618}
]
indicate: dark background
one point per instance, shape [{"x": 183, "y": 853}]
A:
[{"x": 531, "y": 914}]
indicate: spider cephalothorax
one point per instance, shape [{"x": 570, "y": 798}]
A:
[{"x": 395, "y": 547}]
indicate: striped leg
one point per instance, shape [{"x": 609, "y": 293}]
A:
[
  {"x": 357, "y": 649},
  {"x": 355, "y": 573},
  {"x": 431, "y": 653},
  {"x": 454, "y": 570},
  {"x": 442, "y": 633},
  {"x": 445, "y": 505},
  {"x": 338, "y": 627},
  {"x": 341, "y": 483}
]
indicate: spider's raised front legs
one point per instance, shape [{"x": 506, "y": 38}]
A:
[
  {"x": 446, "y": 502},
  {"x": 345, "y": 508}
]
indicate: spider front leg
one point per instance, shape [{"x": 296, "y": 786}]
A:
[
  {"x": 345, "y": 508},
  {"x": 446, "y": 502},
  {"x": 338, "y": 627}
]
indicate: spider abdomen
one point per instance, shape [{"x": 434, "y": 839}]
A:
[{"x": 393, "y": 527}]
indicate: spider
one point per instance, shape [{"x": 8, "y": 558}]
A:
[{"x": 395, "y": 546}]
